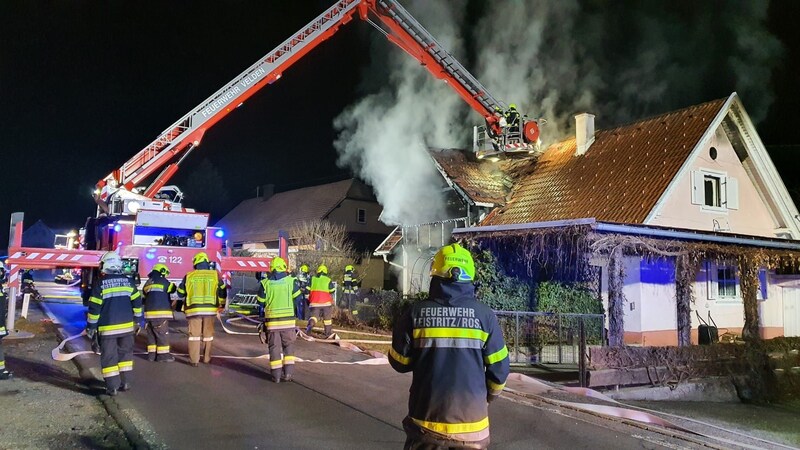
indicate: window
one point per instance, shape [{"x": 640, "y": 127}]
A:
[
  {"x": 714, "y": 191},
  {"x": 711, "y": 186},
  {"x": 726, "y": 281},
  {"x": 722, "y": 283},
  {"x": 362, "y": 216}
]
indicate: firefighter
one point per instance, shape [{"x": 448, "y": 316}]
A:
[
  {"x": 205, "y": 295},
  {"x": 276, "y": 297},
  {"x": 115, "y": 310},
  {"x": 158, "y": 313},
  {"x": 350, "y": 285},
  {"x": 512, "y": 118},
  {"x": 455, "y": 348},
  {"x": 301, "y": 302},
  {"x": 4, "y": 373},
  {"x": 320, "y": 301}
]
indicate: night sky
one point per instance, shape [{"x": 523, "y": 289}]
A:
[{"x": 84, "y": 85}]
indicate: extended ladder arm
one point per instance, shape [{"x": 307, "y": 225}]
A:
[{"x": 188, "y": 131}]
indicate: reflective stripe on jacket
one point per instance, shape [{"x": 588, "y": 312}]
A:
[
  {"x": 321, "y": 290},
  {"x": 3, "y": 311},
  {"x": 157, "y": 303},
  {"x": 455, "y": 348},
  {"x": 276, "y": 295},
  {"x": 350, "y": 283},
  {"x": 114, "y": 304},
  {"x": 204, "y": 292}
]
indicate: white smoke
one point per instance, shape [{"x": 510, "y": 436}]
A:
[{"x": 384, "y": 136}]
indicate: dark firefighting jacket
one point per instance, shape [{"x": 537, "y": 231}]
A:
[
  {"x": 350, "y": 283},
  {"x": 276, "y": 295},
  {"x": 320, "y": 291},
  {"x": 113, "y": 306},
  {"x": 157, "y": 302},
  {"x": 455, "y": 348},
  {"x": 3, "y": 312},
  {"x": 204, "y": 291}
]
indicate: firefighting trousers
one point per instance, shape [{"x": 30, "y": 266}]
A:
[
  {"x": 325, "y": 313},
  {"x": 2, "y": 356},
  {"x": 281, "y": 352},
  {"x": 116, "y": 359},
  {"x": 300, "y": 306},
  {"x": 201, "y": 329},
  {"x": 157, "y": 331}
]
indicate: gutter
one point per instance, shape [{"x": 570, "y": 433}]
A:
[
  {"x": 639, "y": 231},
  {"x": 386, "y": 260}
]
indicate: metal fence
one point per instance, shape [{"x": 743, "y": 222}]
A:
[{"x": 549, "y": 338}]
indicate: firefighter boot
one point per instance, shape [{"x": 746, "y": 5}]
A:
[
  {"x": 151, "y": 356},
  {"x": 6, "y": 375},
  {"x": 165, "y": 357},
  {"x": 276, "y": 375}
]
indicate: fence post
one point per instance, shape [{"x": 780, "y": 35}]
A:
[
  {"x": 516, "y": 337},
  {"x": 560, "y": 339},
  {"x": 582, "y": 359}
]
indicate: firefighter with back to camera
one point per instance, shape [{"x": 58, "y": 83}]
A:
[
  {"x": 276, "y": 299},
  {"x": 158, "y": 313},
  {"x": 205, "y": 293},
  {"x": 115, "y": 310},
  {"x": 320, "y": 301},
  {"x": 454, "y": 346}
]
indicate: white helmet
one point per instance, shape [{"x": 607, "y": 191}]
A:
[{"x": 111, "y": 263}]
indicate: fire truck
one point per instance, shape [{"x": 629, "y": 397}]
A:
[{"x": 146, "y": 222}]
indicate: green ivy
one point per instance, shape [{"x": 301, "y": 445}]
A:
[
  {"x": 567, "y": 299},
  {"x": 498, "y": 290}
]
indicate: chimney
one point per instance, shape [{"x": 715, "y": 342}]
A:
[
  {"x": 265, "y": 191},
  {"x": 584, "y": 132}
]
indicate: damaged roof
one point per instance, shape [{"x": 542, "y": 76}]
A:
[
  {"x": 480, "y": 182},
  {"x": 619, "y": 179},
  {"x": 259, "y": 219}
]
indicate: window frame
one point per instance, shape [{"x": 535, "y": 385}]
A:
[{"x": 361, "y": 215}]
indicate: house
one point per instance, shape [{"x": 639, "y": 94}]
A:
[
  {"x": 38, "y": 235},
  {"x": 681, "y": 219},
  {"x": 254, "y": 223}
]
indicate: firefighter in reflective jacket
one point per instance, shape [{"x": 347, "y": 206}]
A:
[
  {"x": 205, "y": 295},
  {"x": 276, "y": 297},
  {"x": 158, "y": 313},
  {"x": 350, "y": 286},
  {"x": 115, "y": 310},
  {"x": 301, "y": 302},
  {"x": 455, "y": 348},
  {"x": 320, "y": 300},
  {"x": 4, "y": 373}
]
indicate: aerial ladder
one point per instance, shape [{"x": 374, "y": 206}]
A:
[
  {"x": 123, "y": 192},
  {"x": 392, "y": 20}
]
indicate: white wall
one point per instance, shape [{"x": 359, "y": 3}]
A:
[{"x": 657, "y": 304}]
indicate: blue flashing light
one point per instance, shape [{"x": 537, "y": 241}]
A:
[
  {"x": 219, "y": 233},
  {"x": 150, "y": 255},
  {"x": 117, "y": 228}
]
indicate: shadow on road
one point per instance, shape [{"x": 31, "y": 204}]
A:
[{"x": 46, "y": 373}]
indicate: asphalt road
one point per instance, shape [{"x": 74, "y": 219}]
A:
[{"x": 230, "y": 404}]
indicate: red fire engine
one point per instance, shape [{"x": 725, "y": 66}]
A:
[{"x": 147, "y": 224}]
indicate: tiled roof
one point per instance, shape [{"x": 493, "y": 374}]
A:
[
  {"x": 619, "y": 179},
  {"x": 390, "y": 242},
  {"x": 482, "y": 182},
  {"x": 258, "y": 220}
]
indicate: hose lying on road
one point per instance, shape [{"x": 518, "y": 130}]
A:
[{"x": 334, "y": 340}]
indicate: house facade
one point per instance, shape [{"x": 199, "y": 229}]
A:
[
  {"x": 694, "y": 184},
  {"x": 254, "y": 224}
]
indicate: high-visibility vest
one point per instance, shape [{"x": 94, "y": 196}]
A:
[
  {"x": 202, "y": 286},
  {"x": 320, "y": 291},
  {"x": 278, "y": 302}
]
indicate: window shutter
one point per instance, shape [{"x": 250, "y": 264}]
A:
[
  {"x": 732, "y": 193},
  {"x": 712, "y": 287},
  {"x": 762, "y": 284},
  {"x": 698, "y": 188}
]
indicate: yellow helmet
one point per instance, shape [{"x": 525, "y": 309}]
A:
[
  {"x": 304, "y": 268},
  {"x": 349, "y": 268},
  {"x": 162, "y": 269},
  {"x": 322, "y": 269},
  {"x": 200, "y": 258},
  {"x": 451, "y": 257},
  {"x": 512, "y": 106},
  {"x": 278, "y": 265}
]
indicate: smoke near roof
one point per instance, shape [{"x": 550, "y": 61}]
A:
[{"x": 621, "y": 60}]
